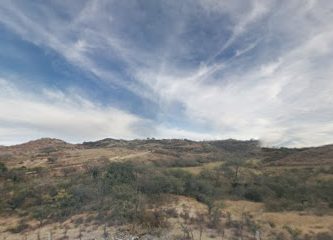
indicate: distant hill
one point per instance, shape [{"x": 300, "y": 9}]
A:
[
  {"x": 39, "y": 144},
  {"x": 308, "y": 156},
  {"x": 50, "y": 180},
  {"x": 165, "y": 152}
]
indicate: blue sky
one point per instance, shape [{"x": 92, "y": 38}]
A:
[{"x": 199, "y": 69}]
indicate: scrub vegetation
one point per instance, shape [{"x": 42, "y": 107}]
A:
[{"x": 116, "y": 191}]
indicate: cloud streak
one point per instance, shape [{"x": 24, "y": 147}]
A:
[
  {"x": 55, "y": 114},
  {"x": 205, "y": 69}
]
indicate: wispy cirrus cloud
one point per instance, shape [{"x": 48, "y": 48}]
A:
[
  {"x": 60, "y": 115},
  {"x": 198, "y": 69}
]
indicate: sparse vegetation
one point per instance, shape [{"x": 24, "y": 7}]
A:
[
  {"x": 3, "y": 169},
  {"x": 130, "y": 192}
]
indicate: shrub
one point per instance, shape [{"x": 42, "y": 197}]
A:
[
  {"x": 41, "y": 213},
  {"x": 161, "y": 184},
  {"x": 48, "y": 150},
  {"x": 64, "y": 199},
  {"x": 20, "y": 227},
  {"x": 171, "y": 212},
  {"x": 83, "y": 193},
  {"x": 253, "y": 194},
  {"x": 16, "y": 174},
  {"x": 18, "y": 199},
  {"x": 6, "y": 156},
  {"x": 215, "y": 218},
  {"x": 52, "y": 159},
  {"x": 127, "y": 204},
  {"x": 120, "y": 173},
  {"x": 93, "y": 170},
  {"x": 153, "y": 219},
  {"x": 294, "y": 232},
  {"x": 3, "y": 168},
  {"x": 324, "y": 236},
  {"x": 201, "y": 189}
]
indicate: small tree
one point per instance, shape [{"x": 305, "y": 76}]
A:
[
  {"x": 187, "y": 231},
  {"x": 80, "y": 233},
  {"x": 232, "y": 169},
  {"x": 105, "y": 234},
  {"x": 215, "y": 218},
  {"x": 40, "y": 214}
]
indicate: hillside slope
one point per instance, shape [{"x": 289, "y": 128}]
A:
[{"x": 167, "y": 188}]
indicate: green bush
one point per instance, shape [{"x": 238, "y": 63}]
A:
[
  {"x": 161, "y": 183},
  {"x": 127, "y": 204},
  {"x": 83, "y": 193},
  {"x": 64, "y": 199},
  {"x": 41, "y": 213},
  {"x": 3, "y": 168},
  {"x": 121, "y": 173},
  {"x": 153, "y": 219},
  {"x": 200, "y": 189},
  {"x": 253, "y": 194},
  {"x": 18, "y": 199}
]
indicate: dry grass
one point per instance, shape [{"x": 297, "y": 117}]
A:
[
  {"x": 72, "y": 156},
  {"x": 305, "y": 222},
  {"x": 196, "y": 170}
]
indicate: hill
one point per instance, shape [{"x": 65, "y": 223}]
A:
[
  {"x": 309, "y": 156},
  {"x": 168, "y": 188},
  {"x": 165, "y": 152}
]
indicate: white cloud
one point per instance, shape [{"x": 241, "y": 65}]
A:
[
  {"x": 283, "y": 102},
  {"x": 55, "y": 114},
  {"x": 282, "y": 93},
  {"x": 242, "y": 18}
]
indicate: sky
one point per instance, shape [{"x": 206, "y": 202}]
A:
[{"x": 197, "y": 69}]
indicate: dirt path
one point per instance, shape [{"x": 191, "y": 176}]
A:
[{"x": 129, "y": 156}]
